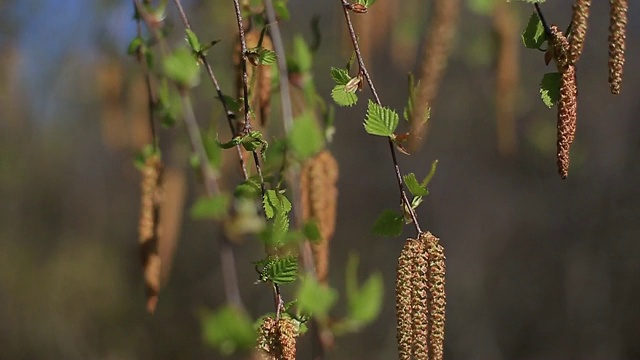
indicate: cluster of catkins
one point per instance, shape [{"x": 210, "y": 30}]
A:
[
  {"x": 566, "y": 52},
  {"x": 277, "y": 339},
  {"x": 421, "y": 299}
]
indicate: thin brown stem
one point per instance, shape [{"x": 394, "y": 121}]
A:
[
  {"x": 229, "y": 114},
  {"x": 365, "y": 73},
  {"x": 147, "y": 77},
  {"x": 243, "y": 62}
]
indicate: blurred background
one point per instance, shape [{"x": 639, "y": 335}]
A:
[{"x": 538, "y": 268}]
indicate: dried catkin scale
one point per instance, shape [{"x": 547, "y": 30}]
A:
[
  {"x": 148, "y": 229},
  {"x": 437, "y": 294},
  {"x": 567, "y": 115},
  {"x": 319, "y": 198},
  {"x": 404, "y": 310},
  {"x": 579, "y": 19},
  {"x": 617, "y": 40}
]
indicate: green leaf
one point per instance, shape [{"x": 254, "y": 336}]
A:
[
  {"x": 306, "y": 138},
  {"x": 182, "y": 68},
  {"x": 214, "y": 207},
  {"x": 340, "y": 76},
  {"x": 550, "y": 88},
  {"x": 269, "y": 208},
  {"x": 380, "y": 121},
  {"x": 311, "y": 231},
  {"x": 279, "y": 230},
  {"x": 193, "y": 41},
  {"x": 283, "y": 270},
  {"x": 232, "y": 104},
  {"x": 214, "y": 152},
  {"x": 228, "y": 329},
  {"x": 315, "y": 298},
  {"x": 364, "y": 302},
  {"x": 249, "y": 189},
  {"x": 262, "y": 55},
  {"x": 280, "y": 7},
  {"x": 342, "y": 97},
  {"x": 134, "y": 45},
  {"x": 533, "y": 36},
  {"x": 481, "y": 7},
  {"x": 390, "y": 223},
  {"x": 414, "y": 187},
  {"x": 302, "y": 54}
]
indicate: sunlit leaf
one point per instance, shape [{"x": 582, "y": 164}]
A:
[
  {"x": 533, "y": 36},
  {"x": 380, "y": 121},
  {"x": 550, "y": 88}
]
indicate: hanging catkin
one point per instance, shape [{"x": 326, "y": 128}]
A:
[
  {"x": 437, "y": 295},
  {"x": 148, "y": 229},
  {"x": 421, "y": 299},
  {"x": 579, "y": 19},
  {"x": 567, "y": 115},
  {"x": 617, "y": 39},
  {"x": 404, "y": 301},
  {"x": 319, "y": 197},
  {"x": 287, "y": 334},
  {"x": 568, "y": 101}
]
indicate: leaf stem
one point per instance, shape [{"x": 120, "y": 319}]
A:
[{"x": 365, "y": 73}]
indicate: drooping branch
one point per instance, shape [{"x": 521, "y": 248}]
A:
[{"x": 363, "y": 69}]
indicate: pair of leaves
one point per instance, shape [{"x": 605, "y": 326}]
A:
[
  {"x": 252, "y": 141},
  {"x": 534, "y": 37},
  {"x": 197, "y": 48}
]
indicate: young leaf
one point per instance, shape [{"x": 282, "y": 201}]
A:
[
  {"x": 414, "y": 187},
  {"x": 533, "y": 36},
  {"x": 249, "y": 188},
  {"x": 342, "y": 97},
  {"x": 390, "y": 223},
  {"x": 193, "y": 41},
  {"x": 380, "y": 121},
  {"x": 269, "y": 207},
  {"x": 228, "y": 329},
  {"x": 279, "y": 229},
  {"x": 214, "y": 207},
  {"x": 311, "y": 231},
  {"x": 306, "y": 137},
  {"x": 134, "y": 45},
  {"x": 550, "y": 88},
  {"x": 283, "y": 270},
  {"x": 182, "y": 68},
  {"x": 302, "y": 54},
  {"x": 364, "y": 302},
  {"x": 315, "y": 298},
  {"x": 340, "y": 76}
]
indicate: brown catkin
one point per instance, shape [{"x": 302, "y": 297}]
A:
[
  {"x": 560, "y": 47},
  {"x": 579, "y": 19},
  {"x": 437, "y": 295},
  {"x": 148, "y": 229},
  {"x": 567, "y": 115},
  {"x": 438, "y": 45},
  {"x": 404, "y": 313},
  {"x": 287, "y": 334},
  {"x": 420, "y": 301},
  {"x": 617, "y": 39},
  {"x": 319, "y": 197},
  {"x": 260, "y": 82},
  {"x": 267, "y": 338}
]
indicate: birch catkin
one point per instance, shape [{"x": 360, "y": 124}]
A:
[
  {"x": 437, "y": 295},
  {"x": 319, "y": 198},
  {"x": 567, "y": 116},
  {"x": 617, "y": 39},
  {"x": 404, "y": 311},
  {"x": 421, "y": 299},
  {"x": 579, "y": 19},
  {"x": 148, "y": 229}
]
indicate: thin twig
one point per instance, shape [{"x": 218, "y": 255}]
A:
[
  {"x": 243, "y": 62},
  {"x": 247, "y": 128},
  {"x": 152, "y": 101},
  {"x": 276, "y": 37},
  {"x": 230, "y": 115},
  {"x": 365, "y": 72},
  {"x": 227, "y": 260}
]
